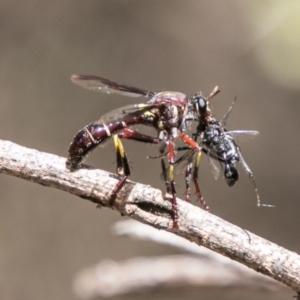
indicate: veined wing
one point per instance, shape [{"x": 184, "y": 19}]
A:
[
  {"x": 121, "y": 112},
  {"x": 243, "y": 135},
  {"x": 100, "y": 84},
  {"x": 213, "y": 166},
  {"x": 184, "y": 160},
  {"x": 188, "y": 157}
]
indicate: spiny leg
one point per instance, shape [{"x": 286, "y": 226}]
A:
[
  {"x": 188, "y": 176},
  {"x": 224, "y": 119},
  {"x": 196, "y": 147},
  {"x": 188, "y": 156},
  {"x": 169, "y": 177},
  {"x": 171, "y": 158},
  {"x": 131, "y": 134},
  {"x": 164, "y": 168},
  {"x": 122, "y": 160},
  {"x": 188, "y": 171},
  {"x": 122, "y": 168},
  {"x": 251, "y": 176},
  {"x": 195, "y": 180}
]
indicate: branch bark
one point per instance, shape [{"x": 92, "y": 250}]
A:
[{"x": 146, "y": 204}]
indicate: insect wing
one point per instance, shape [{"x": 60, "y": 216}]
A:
[
  {"x": 243, "y": 135},
  {"x": 100, "y": 84},
  {"x": 119, "y": 113},
  {"x": 213, "y": 166},
  {"x": 184, "y": 160}
]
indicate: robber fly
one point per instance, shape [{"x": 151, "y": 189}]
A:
[{"x": 167, "y": 112}]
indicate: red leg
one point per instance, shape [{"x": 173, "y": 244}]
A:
[
  {"x": 117, "y": 188},
  {"x": 194, "y": 145},
  {"x": 130, "y": 134},
  {"x": 171, "y": 157},
  {"x": 195, "y": 180},
  {"x": 190, "y": 142}
]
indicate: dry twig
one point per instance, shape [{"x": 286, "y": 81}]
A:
[{"x": 147, "y": 205}]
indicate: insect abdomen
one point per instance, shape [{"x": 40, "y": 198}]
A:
[{"x": 89, "y": 138}]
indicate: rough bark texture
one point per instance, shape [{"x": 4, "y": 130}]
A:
[{"x": 146, "y": 204}]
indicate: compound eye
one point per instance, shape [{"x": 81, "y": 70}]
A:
[
  {"x": 231, "y": 175},
  {"x": 200, "y": 105}
]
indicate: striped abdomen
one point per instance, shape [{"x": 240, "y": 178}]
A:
[{"x": 88, "y": 138}]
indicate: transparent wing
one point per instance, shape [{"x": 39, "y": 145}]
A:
[
  {"x": 184, "y": 160},
  {"x": 213, "y": 166},
  {"x": 121, "y": 112},
  {"x": 188, "y": 157},
  {"x": 243, "y": 135},
  {"x": 100, "y": 84}
]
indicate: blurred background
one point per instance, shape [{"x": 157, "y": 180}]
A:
[{"x": 251, "y": 49}]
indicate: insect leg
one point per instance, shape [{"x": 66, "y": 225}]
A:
[
  {"x": 194, "y": 145},
  {"x": 188, "y": 176},
  {"x": 164, "y": 168},
  {"x": 122, "y": 160},
  {"x": 171, "y": 158},
  {"x": 251, "y": 176},
  {"x": 195, "y": 180},
  {"x": 96, "y": 133},
  {"x": 224, "y": 119},
  {"x": 122, "y": 167},
  {"x": 131, "y": 134},
  {"x": 188, "y": 171}
]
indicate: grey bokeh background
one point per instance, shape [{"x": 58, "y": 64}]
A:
[{"x": 248, "y": 48}]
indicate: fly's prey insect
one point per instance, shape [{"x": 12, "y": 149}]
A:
[
  {"x": 218, "y": 144},
  {"x": 168, "y": 113}
]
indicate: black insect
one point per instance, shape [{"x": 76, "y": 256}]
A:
[
  {"x": 167, "y": 112},
  {"x": 218, "y": 143}
]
